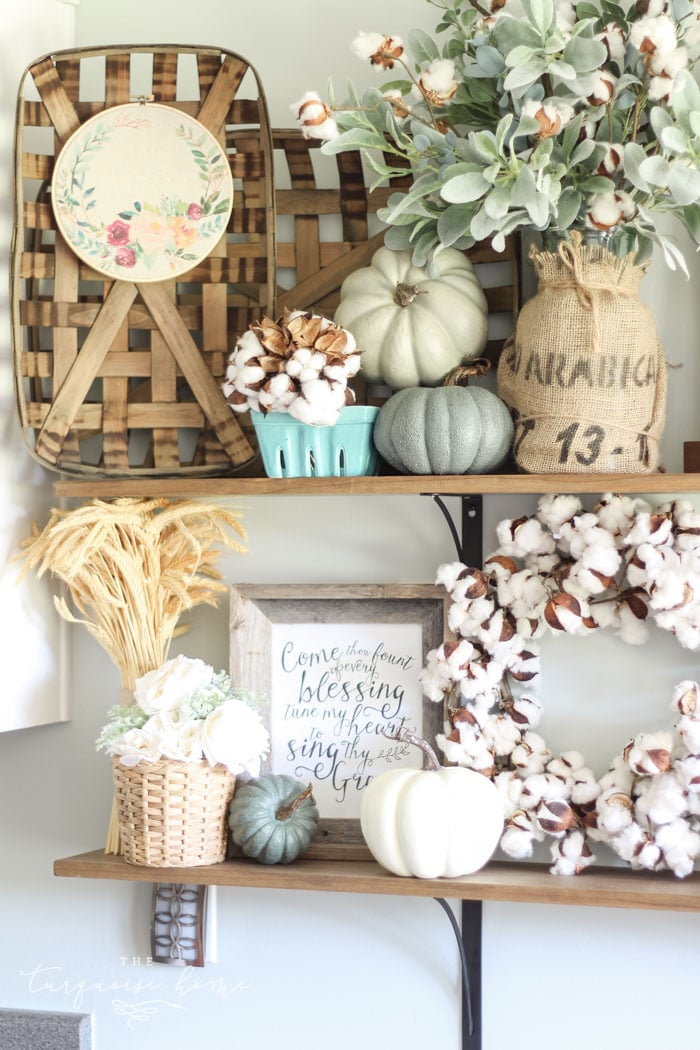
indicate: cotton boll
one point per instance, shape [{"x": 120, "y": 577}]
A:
[
  {"x": 520, "y": 836},
  {"x": 449, "y": 573},
  {"x": 435, "y": 677},
  {"x": 663, "y": 800},
  {"x": 605, "y": 615},
  {"x": 518, "y": 537},
  {"x": 632, "y": 630},
  {"x": 503, "y": 735},
  {"x": 526, "y": 711},
  {"x": 630, "y": 841},
  {"x": 554, "y": 510},
  {"x": 688, "y": 770},
  {"x": 510, "y": 788},
  {"x": 649, "y": 858},
  {"x": 689, "y": 732},
  {"x": 669, "y": 589},
  {"x": 313, "y": 413},
  {"x": 541, "y": 787},
  {"x": 688, "y": 635},
  {"x": 571, "y": 854},
  {"x": 653, "y": 529},
  {"x": 452, "y": 749},
  {"x": 649, "y": 753},
  {"x": 282, "y": 388},
  {"x": 678, "y": 839},
  {"x": 531, "y": 755},
  {"x": 618, "y": 777},
  {"x": 555, "y": 817},
  {"x": 617, "y": 513},
  {"x": 585, "y": 788},
  {"x": 313, "y": 367},
  {"x": 613, "y": 811}
]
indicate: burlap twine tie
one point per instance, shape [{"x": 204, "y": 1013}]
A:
[{"x": 587, "y": 291}]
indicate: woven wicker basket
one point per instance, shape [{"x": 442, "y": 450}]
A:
[{"x": 173, "y": 814}]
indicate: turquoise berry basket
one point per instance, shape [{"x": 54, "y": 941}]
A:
[{"x": 291, "y": 449}]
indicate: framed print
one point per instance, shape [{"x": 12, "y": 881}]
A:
[{"x": 339, "y": 667}]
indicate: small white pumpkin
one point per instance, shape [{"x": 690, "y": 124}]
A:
[
  {"x": 430, "y": 823},
  {"x": 413, "y": 328}
]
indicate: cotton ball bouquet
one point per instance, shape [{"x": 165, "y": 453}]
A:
[
  {"x": 648, "y": 809},
  {"x": 300, "y": 364}
]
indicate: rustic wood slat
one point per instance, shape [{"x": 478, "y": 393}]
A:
[
  {"x": 117, "y": 79},
  {"x": 218, "y": 100},
  {"x": 164, "y": 79},
  {"x": 55, "y": 98},
  {"x": 139, "y": 416},
  {"x": 164, "y": 389},
  {"x": 65, "y": 340},
  {"x": 115, "y": 395},
  {"x": 205, "y": 388},
  {"x": 79, "y": 379},
  {"x": 326, "y": 280}
]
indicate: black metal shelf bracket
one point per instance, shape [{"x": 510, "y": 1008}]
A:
[
  {"x": 468, "y": 539},
  {"x": 468, "y": 939},
  {"x": 469, "y": 545}
]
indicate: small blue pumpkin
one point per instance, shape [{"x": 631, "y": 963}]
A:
[{"x": 444, "y": 430}]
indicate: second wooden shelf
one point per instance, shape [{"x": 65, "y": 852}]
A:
[{"x": 524, "y": 883}]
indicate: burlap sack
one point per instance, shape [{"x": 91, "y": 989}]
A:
[{"x": 584, "y": 374}]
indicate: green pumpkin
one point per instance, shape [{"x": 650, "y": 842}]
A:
[
  {"x": 273, "y": 818},
  {"x": 445, "y": 430}
]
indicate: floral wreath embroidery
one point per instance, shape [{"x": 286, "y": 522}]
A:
[{"x": 623, "y": 565}]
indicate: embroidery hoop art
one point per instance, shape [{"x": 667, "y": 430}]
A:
[
  {"x": 142, "y": 192},
  {"x": 646, "y": 807}
]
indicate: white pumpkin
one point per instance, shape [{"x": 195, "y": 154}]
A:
[
  {"x": 432, "y": 823},
  {"x": 412, "y": 328}
]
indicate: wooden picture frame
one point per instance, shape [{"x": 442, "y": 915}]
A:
[{"x": 338, "y": 666}]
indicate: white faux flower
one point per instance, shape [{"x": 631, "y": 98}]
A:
[
  {"x": 183, "y": 741},
  {"x": 165, "y": 688},
  {"x": 134, "y": 746},
  {"x": 234, "y": 736}
]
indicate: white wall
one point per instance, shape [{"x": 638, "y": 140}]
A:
[{"x": 304, "y": 971}]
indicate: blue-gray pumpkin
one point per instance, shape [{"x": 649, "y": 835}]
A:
[
  {"x": 273, "y": 818},
  {"x": 444, "y": 430}
]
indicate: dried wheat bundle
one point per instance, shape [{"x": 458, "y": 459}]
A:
[{"x": 132, "y": 567}]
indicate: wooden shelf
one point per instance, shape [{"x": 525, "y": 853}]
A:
[
  {"x": 525, "y": 883},
  {"x": 384, "y": 485}
]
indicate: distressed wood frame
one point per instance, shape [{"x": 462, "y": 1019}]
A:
[{"x": 257, "y": 608}]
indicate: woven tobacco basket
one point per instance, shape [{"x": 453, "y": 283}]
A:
[
  {"x": 172, "y": 814},
  {"x": 114, "y": 377}
]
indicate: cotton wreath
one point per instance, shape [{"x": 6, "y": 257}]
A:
[{"x": 623, "y": 565}]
